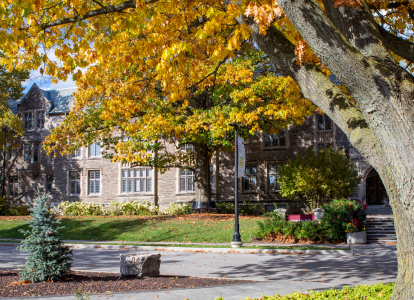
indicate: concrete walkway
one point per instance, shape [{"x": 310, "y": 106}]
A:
[{"x": 273, "y": 273}]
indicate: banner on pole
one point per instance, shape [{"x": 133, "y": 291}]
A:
[{"x": 242, "y": 157}]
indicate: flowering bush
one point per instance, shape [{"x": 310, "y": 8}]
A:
[
  {"x": 178, "y": 209},
  {"x": 114, "y": 209},
  {"x": 340, "y": 217}
]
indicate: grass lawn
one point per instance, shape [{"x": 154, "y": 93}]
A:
[{"x": 196, "y": 228}]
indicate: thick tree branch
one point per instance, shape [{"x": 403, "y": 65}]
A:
[
  {"x": 94, "y": 13},
  {"x": 319, "y": 89},
  {"x": 398, "y": 45}
]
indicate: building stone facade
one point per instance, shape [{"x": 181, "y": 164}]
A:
[{"x": 86, "y": 176}]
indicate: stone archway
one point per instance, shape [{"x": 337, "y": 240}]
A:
[{"x": 375, "y": 192}]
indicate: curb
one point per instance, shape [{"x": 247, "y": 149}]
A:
[{"x": 216, "y": 250}]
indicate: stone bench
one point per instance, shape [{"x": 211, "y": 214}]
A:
[{"x": 140, "y": 265}]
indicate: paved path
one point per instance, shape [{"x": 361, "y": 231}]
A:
[{"x": 274, "y": 273}]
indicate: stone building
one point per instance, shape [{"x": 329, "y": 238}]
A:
[{"x": 86, "y": 176}]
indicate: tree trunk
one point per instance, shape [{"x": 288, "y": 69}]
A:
[
  {"x": 202, "y": 185},
  {"x": 381, "y": 125}
]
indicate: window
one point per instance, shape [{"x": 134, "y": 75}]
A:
[
  {"x": 95, "y": 150},
  {"x": 27, "y": 120},
  {"x": 49, "y": 182},
  {"x": 186, "y": 147},
  {"x": 250, "y": 178},
  {"x": 36, "y": 157},
  {"x": 74, "y": 182},
  {"x": 186, "y": 181},
  {"x": 275, "y": 140},
  {"x": 76, "y": 153},
  {"x": 27, "y": 153},
  {"x": 51, "y": 158},
  {"x": 14, "y": 185},
  {"x": 273, "y": 178},
  {"x": 94, "y": 182},
  {"x": 324, "y": 123},
  {"x": 40, "y": 119},
  {"x": 136, "y": 181}
]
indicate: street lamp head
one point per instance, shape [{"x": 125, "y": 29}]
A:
[{"x": 233, "y": 124}]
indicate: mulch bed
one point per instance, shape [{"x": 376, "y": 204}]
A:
[
  {"x": 96, "y": 282},
  {"x": 282, "y": 239}
]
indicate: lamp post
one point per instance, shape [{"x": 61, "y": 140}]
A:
[{"x": 236, "y": 242}]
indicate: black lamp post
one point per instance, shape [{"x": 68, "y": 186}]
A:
[{"x": 236, "y": 242}]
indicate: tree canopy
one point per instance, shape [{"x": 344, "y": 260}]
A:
[
  {"x": 11, "y": 125},
  {"x": 315, "y": 179},
  {"x": 131, "y": 50}
]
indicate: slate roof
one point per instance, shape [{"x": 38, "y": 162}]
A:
[{"x": 60, "y": 99}]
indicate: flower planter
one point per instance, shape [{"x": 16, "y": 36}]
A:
[
  {"x": 298, "y": 218},
  {"x": 359, "y": 237}
]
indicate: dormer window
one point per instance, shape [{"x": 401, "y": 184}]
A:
[
  {"x": 27, "y": 120},
  {"x": 40, "y": 119},
  {"x": 275, "y": 140}
]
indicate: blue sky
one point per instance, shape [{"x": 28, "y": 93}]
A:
[{"x": 44, "y": 83}]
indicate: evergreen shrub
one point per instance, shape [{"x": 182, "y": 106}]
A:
[
  {"x": 10, "y": 210},
  {"x": 245, "y": 209},
  {"x": 49, "y": 258}
]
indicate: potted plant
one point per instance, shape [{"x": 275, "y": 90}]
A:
[{"x": 355, "y": 229}]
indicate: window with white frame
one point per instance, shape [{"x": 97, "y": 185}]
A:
[
  {"x": 136, "y": 181},
  {"x": 28, "y": 119},
  {"x": 324, "y": 123},
  {"x": 74, "y": 182},
  {"x": 273, "y": 176},
  {"x": 186, "y": 180},
  {"x": 186, "y": 147},
  {"x": 94, "y": 182},
  {"x": 14, "y": 185},
  {"x": 275, "y": 140},
  {"x": 76, "y": 154},
  {"x": 27, "y": 153},
  {"x": 250, "y": 178},
  {"x": 49, "y": 183},
  {"x": 40, "y": 119},
  {"x": 94, "y": 150}
]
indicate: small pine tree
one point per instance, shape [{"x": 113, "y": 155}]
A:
[{"x": 48, "y": 258}]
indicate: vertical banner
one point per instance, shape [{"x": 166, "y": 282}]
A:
[{"x": 242, "y": 157}]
